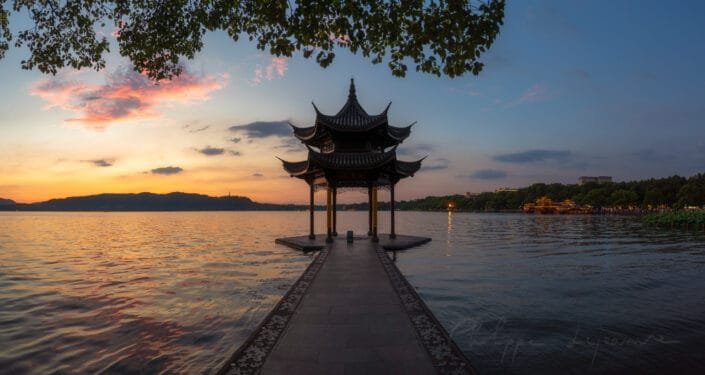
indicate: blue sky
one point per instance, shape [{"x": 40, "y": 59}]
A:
[{"x": 569, "y": 88}]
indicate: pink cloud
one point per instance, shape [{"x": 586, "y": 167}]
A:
[
  {"x": 534, "y": 92},
  {"x": 125, "y": 96},
  {"x": 277, "y": 66},
  {"x": 342, "y": 39}
]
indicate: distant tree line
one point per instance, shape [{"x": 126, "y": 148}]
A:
[{"x": 673, "y": 192}]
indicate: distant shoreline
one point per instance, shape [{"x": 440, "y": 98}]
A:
[
  {"x": 318, "y": 209},
  {"x": 593, "y": 198}
]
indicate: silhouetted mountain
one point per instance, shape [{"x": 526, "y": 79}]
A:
[
  {"x": 6, "y": 202},
  {"x": 152, "y": 202}
]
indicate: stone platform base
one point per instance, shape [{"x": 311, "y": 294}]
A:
[{"x": 401, "y": 242}]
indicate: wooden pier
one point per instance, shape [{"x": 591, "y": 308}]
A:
[{"x": 351, "y": 312}]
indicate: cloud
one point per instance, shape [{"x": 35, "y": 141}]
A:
[
  {"x": 211, "y": 151},
  {"x": 557, "y": 158},
  {"x": 234, "y": 153},
  {"x": 257, "y": 174},
  {"x": 264, "y": 129},
  {"x": 534, "y": 92},
  {"x": 197, "y": 130},
  {"x": 341, "y": 39},
  {"x": 652, "y": 155},
  {"x": 235, "y": 140},
  {"x": 167, "y": 170},
  {"x": 488, "y": 174},
  {"x": 101, "y": 162},
  {"x": 435, "y": 165},
  {"x": 277, "y": 66},
  {"x": 414, "y": 150},
  {"x": 290, "y": 145},
  {"x": 125, "y": 96},
  {"x": 534, "y": 156}
]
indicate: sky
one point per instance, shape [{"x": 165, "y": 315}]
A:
[{"x": 570, "y": 88}]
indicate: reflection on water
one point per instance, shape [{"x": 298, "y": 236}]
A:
[
  {"x": 137, "y": 292},
  {"x": 178, "y": 292},
  {"x": 577, "y": 294}
]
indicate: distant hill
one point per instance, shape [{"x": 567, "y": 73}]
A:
[
  {"x": 150, "y": 202},
  {"x": 674, "y": 191},
  {"x": 6, "y": 202}
]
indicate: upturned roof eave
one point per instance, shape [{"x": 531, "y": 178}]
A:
[
  {"x": 406, "y": 130},
  {"x": 370, "y": 121},
  {"x": 292, "y": 167},
  {"x": 415, "y": 166},
  {"x": 298, "y": 131}
]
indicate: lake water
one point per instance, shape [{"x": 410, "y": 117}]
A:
[
  {"x": 178, "y": 292},
  {"x": 540, "y": 294}
]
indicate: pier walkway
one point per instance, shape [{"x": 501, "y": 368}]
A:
[{"x": 351, "y": 312}]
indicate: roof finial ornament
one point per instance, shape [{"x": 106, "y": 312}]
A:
[{"x": 352, "y": 95}]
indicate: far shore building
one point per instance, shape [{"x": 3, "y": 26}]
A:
[
  {"x": 351, "y": 150},
  {"x": 582, "y": 180}
]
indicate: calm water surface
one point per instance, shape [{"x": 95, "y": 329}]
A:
[
  {"x": 539, "y": 294},
  {"x": 178, "y": 292},
  {"x": 137, "y": 292}
]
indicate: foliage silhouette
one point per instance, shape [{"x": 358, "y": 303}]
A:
[
  {"x": 441, "y": 38},
  {"x": 674, "y": 192}
]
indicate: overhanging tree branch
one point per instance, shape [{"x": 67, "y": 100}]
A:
[{"x": 438, "y": 37}]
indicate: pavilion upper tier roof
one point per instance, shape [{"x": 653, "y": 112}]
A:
[{"x": 352, "y": 118}]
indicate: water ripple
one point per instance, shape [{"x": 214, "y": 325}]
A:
[
  {"x": 525, "y": 294},
  {"x": 136, "y": 292}
]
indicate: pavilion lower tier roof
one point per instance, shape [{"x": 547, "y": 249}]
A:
[{"x": 352, "y": 169}]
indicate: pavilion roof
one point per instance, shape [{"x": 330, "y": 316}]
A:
[
  {"x": 308, "y": 134},
  {"x": 352, "y": 160},
  {"x": 383, "y": 162},
  {"x": 347, "y": 149},
  {"x": 408, "y": 168},
  {"x": 295, "y": 168},
  {"x": 352, "y": 117}
]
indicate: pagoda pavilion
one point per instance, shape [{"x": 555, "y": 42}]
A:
[{"x": 351, "y": 149}]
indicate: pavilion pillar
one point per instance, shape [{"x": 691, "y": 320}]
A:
[
  {"x": 311, "y": 234},
  {"x": 335, "y": 211},
  {"x": 329, "y": 214},
  {"x": 392, "y": 233},
  {"x": 369, "y": 209},
  {"x": 374, "y": 215}
]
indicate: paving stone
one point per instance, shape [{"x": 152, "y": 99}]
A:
[{"x": 350, "y": 321}]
